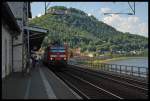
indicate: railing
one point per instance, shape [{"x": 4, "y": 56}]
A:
[{"x": 121, "y": 69}]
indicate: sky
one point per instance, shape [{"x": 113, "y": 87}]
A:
[{"x": 135, "y": 24}]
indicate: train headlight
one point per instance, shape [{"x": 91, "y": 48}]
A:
[{"x": 51, "y": 58}]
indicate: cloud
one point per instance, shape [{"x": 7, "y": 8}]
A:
[
  {"x": 40, "y": 14},
  {"x": 105, "y": 10},
  {"x": 89, "y": 14},
  {"x": 131, "y": 24},
  {"x": 144, "y": 28}
]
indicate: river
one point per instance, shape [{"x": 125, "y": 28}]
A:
[{"x": 132, "y": 61}]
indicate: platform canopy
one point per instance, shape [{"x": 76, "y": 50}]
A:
[{"x": 36, "y": 36}]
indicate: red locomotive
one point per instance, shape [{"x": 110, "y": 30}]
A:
[{"x": 56, "y": 55}]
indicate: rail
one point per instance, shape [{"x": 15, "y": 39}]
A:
[{"x": 121, "y": 69}]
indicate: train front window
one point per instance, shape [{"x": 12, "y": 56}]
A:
[{"x": 57, "y": 50}]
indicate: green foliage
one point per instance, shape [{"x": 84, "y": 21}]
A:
[
  {"x": 58, "y": 8},
  {"x": 86, "y": 32}
]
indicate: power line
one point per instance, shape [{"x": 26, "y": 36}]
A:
[
  {"x": 132, "y": 8},
  {"x": 46, "y": 6}
]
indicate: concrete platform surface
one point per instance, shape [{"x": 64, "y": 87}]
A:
[{"x": 41, "y": 84}]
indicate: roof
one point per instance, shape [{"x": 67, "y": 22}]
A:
[
  {"x": 36, "y": 29},
  {"x": 9, "y": 18},
  {"x": 37, "y": 36}
]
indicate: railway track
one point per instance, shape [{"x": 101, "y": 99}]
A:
[
  {"x": 86, "y": 89},
  {"x": 119, "y": 87},
  {"x": 95, "y": 86},
  {"x": 143, "y": 85}
]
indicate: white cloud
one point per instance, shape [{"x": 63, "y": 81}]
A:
[
  {"x": 144, "y": 28},
  {"x": 105, "y": 10},
  {"x": 89, "y": 14},
  {"x": 40, "y": 14},
  {"x": 131, "y": 24}
]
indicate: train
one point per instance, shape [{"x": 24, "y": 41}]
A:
[{"x": 56, "y": 55}]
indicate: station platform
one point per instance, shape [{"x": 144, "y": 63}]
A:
[{"x": 41, "y": 84}]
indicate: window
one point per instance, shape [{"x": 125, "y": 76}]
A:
[{"x": 57, "y": 50}]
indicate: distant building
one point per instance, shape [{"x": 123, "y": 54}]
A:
[
  {"x": 53, "y": 11},
  {"x": 133, "y": 52},
  {"x": 77, "y": 51},
  {"x": 104, "y": 51},
  {"x": 91, "y": 55}
]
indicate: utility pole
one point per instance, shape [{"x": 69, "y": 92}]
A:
[
  {"x": 45, "y": 8},
  {"x": 28, "y": 34},
  {"x": 28, "y": 39},
  {"x": 134, "y": 8}
]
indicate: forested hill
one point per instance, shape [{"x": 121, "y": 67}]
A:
[{"x": 80, "y": 30}]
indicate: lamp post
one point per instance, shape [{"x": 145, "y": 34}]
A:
[{"x": 28, "y": 40}]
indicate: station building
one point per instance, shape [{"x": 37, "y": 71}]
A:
[
  {"x": 18, "y": 38},
  {"x": 14, "y": 18}
]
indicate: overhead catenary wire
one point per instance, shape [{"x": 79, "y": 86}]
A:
[
  {"x": 133, "y": 9},
  {"x": 120, "y": 12},
  {"x": 46, "y": 6}
]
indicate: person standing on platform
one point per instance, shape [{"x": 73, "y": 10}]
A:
[{"x": 33, "y": 61}]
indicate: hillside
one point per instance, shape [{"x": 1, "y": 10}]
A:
[{"x": 80, "y": 30}]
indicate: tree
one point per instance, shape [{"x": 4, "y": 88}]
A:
[{"x": 80, "y": 30}]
